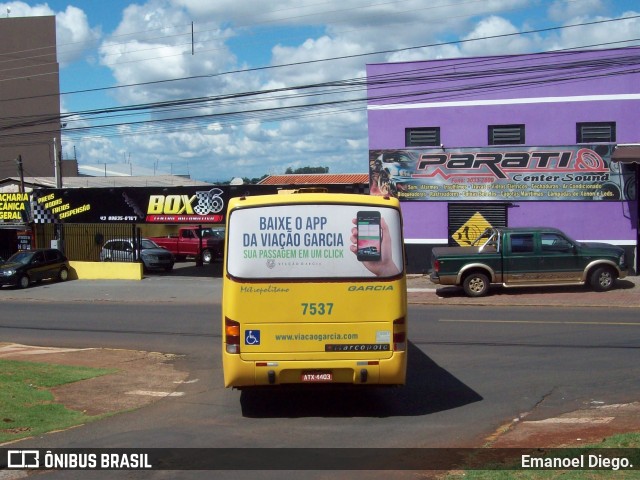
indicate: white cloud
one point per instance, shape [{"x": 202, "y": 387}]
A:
[
  {"x": 495, "y": 27},
  {"x": 562, "y": 11},
  {"x": 21, "y": 9},
  {"x": 74, "y": 35},
  {"x": 153, "y": 43}
]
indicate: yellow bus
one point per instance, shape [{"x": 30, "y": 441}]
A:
[{"x": 314, "y": 291}]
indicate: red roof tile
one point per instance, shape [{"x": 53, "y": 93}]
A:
[{"x": 316, "y": 179}]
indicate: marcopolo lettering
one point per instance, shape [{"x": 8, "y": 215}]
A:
[{"x": 360, "y": 347}]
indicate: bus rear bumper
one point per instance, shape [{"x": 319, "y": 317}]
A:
[{"x": 242, "y": 373}]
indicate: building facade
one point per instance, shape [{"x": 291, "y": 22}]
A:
[
  {"x": 30, "y": 96},
  {"x": 521, "y": 140}
]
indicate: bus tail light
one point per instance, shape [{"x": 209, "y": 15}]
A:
[
  {"x": 232, "y": 335},
  {"x": 399, "y": 335}
]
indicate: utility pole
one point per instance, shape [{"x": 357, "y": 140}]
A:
[
  {"x": 20, "y": 173},
  {"x": 57, "y": 167}
]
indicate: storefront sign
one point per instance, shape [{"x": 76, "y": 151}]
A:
[
  {"x": 25, "y": 240},
  {"x": 532, "y": 173},
  {"x": 200, "y": 205},
  {"x": 14, "y": 207}
]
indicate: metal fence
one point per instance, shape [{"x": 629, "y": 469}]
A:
[{"x": 83, "y": 242}]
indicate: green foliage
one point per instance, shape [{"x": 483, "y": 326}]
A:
[
  {"x": 28, "y": 407},
  {"x": 245, "y": 180},
  {"x": 305, "y": 170}
]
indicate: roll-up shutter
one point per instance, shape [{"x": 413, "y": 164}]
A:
[{"x": 467, "y": 221}]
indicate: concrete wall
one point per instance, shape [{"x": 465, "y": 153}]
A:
[
  {"x": 105, "y": 271},
  {"x": 30, "y": 93}
]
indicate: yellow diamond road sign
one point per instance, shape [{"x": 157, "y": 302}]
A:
[{"x": 470, "y": 230}]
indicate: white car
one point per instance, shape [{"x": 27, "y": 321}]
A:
[{"x": 123, "y": 250}]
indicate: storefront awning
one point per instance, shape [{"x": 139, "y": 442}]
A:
[{"x": 627, "y": 153}]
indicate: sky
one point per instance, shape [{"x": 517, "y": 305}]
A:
[{"x": 230, "y": 88}]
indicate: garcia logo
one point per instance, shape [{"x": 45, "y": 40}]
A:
[
  {"x": 208, "y": 201},
  {"x": 370, "y": 288}
]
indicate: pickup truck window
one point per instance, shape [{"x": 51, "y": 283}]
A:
[
  {"x": 188, "y": 234},
  {"x": 552, "y": 242},
  {"x": 522, "y": 243}
]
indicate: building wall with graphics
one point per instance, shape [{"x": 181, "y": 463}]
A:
[{"x": 550, "y": 176}]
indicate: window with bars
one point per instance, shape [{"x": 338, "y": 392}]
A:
[
  {"x": 596, "y": 132},
  {"x": 422, "y": 137},
  {"x": 506, "y": 134}
]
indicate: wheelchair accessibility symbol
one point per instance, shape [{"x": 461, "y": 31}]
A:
[{"x": 252, "y": 337}]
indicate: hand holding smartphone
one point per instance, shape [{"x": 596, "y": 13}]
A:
[{"x": 369, "y": 236}]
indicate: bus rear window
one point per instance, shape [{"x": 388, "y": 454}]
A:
[{"x": 315, "y": 241}]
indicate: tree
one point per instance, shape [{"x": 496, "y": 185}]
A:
[{"x": 305, "y": 170}]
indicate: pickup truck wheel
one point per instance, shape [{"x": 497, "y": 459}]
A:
[
  {"x": 476, "y": 285},
  {"x": 602, "y": 279},
  {"x": 207, "y": 256}
]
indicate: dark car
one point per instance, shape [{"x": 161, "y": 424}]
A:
[
  {"x": 152, "y": 256},
  {"x": 25, "y": 267}
]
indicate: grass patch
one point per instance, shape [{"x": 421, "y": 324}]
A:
[
  {"x": 27, "y": 406},
  {"x": 621, "y": 441}
]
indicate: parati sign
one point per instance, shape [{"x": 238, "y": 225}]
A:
[{"x": 565, "y": 173}]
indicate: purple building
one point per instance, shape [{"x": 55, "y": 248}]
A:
[{"x": 546, "y": 139}]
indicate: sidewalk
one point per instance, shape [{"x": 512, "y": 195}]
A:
[
  {"x": 186, "y": 284},
  {"x": 626, "y": 293},
  {"x": 191, "y": 284}
]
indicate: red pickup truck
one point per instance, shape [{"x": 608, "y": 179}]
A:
[{"x": 206, "y": 243}]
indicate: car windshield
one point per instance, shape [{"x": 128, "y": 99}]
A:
[
  {"x": 146, "y": 243},
  {"x": 209, "y": 232},
  {"x": 21, "y": 257}
]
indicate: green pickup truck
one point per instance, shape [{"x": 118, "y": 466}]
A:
[{"x": 527, "y": 257}]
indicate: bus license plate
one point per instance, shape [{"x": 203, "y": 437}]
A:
[{"x": 317, "y": 376}]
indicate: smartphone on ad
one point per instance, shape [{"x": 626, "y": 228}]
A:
[{"x": 369, "y": 236}]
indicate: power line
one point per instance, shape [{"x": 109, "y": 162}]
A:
[
  {"x": 285, "y": 94},
  {"x": 491, "y": 77}
]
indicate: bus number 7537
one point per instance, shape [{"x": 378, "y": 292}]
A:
[{"x": 317, "y": 308}]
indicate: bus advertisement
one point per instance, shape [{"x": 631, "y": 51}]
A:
[{"x": 314, "y": 291}]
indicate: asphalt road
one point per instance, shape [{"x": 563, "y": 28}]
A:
[{"x": 471, "y": 370}]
